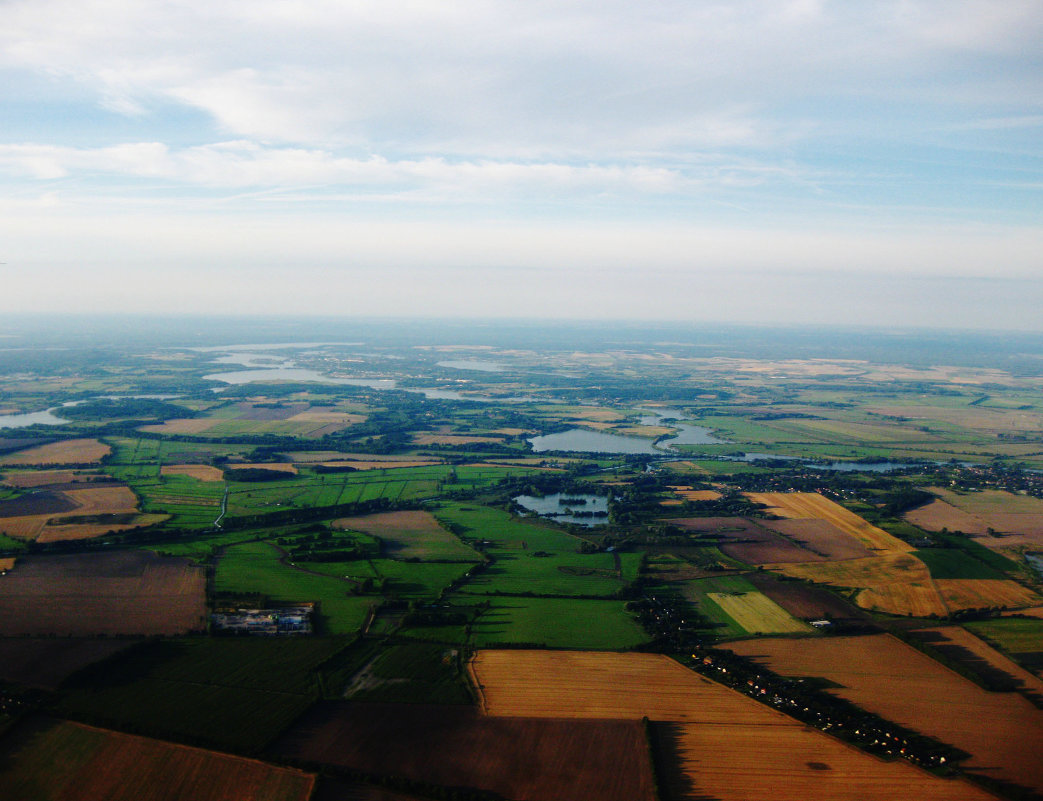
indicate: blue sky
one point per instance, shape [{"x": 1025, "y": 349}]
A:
[{"x": 869, "y": 162}]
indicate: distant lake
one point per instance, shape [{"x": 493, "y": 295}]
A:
[
  {"x": 555, "y": 506},
  {"x": 1036, "y": 560},
  {"x": 49, "y": 418},
  {"x": 297, "y": 374},
  {"x": 473, "y": 364},
  {"x": 44, "y": 418},
  {"x": 842, "y": 467},
  {"x": 686, "y": 434},
  {"x": 581, "y": 440}
]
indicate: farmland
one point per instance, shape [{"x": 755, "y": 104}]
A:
[
  {"x": 101, "y": 594},
  {"x": 892, "y": 679},
  {"x": 382, "y": 499},
  {"x": 711, "y": 729},
  {"x": 534, "y": 758},
  {"x": 122, "y": 767}
]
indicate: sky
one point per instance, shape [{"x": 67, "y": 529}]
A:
[{"x": 876, "y": 162}]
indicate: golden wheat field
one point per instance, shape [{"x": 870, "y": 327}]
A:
[
  {"x": 713, "y": 730},
  {"x": 896, "y": 583},
  {"x": 815, "y": 506},
  {"x": 70, "y": 451},
  {"x": 201, "y": 472},
  {"x": 1002, "y": 731}
]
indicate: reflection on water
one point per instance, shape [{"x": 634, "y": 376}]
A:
[
  {"x": 581, "y": 510},
  {"x": 473, "y": 364},
  {"x": 297, "y": 374},
  {"x": 580, "y": 440}
]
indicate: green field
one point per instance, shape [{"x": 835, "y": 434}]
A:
[
  {"x": 256, "y": 567},
  {"x": 227, "y": 692},
  {"x": 949, "y": 563},
  {"x": 557, "y": 623},
  {"x": 532, "y": 559},
  {"x": 1016, "y": 635},
  {"x": 414, "y": 673}
]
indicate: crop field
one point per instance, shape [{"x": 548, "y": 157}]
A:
[
  {"x": 412, "y": 580},
  {"x": 411, "y": 534},
  {"x": 747, "y": 541},
  {"x": 28, "y": 479},
  {"x": 712, "y": 730},
  {"x": 897, "y": 682},
  {"x": 1016, "y": 519},
  {"x": 961, "y": 642},
  {"x": 895, "y": 583},
  {"x": 73, "y": 514},
  {"x": 70, "y": 451},
  {"x": 738, "y": 608},
  {"x": 58, "y": 760},
  {"x": 803, "y": 601},
  {"x": 1013, "y": 635},
  {"x": 757, "y": 614},
  {"x": 530, "y": 558},
  {"x": 536, "y": 759},
  {"x": 985, "y": 593},
  {"x": 229, "y": 692},
  {"x": 128, "y": 592},
  {"x": 557, "y": 623},
  {"x": 200, "y": 472},
  {"x": 938, "y": 515},
  {"x": 47, "y": 662},
  {"x": 803, "y": 505},
  {"x": 259, "y": 567},
  {"x": 820, "y": 537}
]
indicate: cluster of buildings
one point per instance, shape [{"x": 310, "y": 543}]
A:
[{"x": 280, "y": 620}]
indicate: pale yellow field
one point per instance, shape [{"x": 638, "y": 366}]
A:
[
  {"x": 101, "y": 501},
  {"x": 201, "y": 472},
  {"x": 71, "y": 451},
  {"x": 897, "y": 583},
  {"x": 757, "y": 613},
  {"x": 815, "y": 506},
  {"x": 730, "y": 747}
]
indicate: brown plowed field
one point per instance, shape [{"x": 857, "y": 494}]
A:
[
  {"x": 752, "y": 544},
  {"x": 803, "y": 601},
  {"x": 727, "y": 746},
  {"x": 36, "y": 503},
  {"x": 59, "y": 760},
  {"x": 520, "y": 758},
  {"x": 126, "y": 592},
  {"x": 42, "y": 478},
  {"x": 896, "y": 583},
  {"x": 47, "y": 662},
  {"x": 820, "y": 537},
  {"x": 815, "y": 506},
  {"x": 1018, "y": 519},
  {"x": 202, "y": 472},
  {"x": 938, "y": 515},
  {"x": 71, "y": 451},
  {"x": 1002, "y": 731}
]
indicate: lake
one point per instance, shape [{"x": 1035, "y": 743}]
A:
[
  {"x": 580, "y": 440},
  {"x": 562, "y": 507},
  {"x": 472, "y": 364},
  {"x": 686, "y": 434},
  {"x": 297, "y": 374}
]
